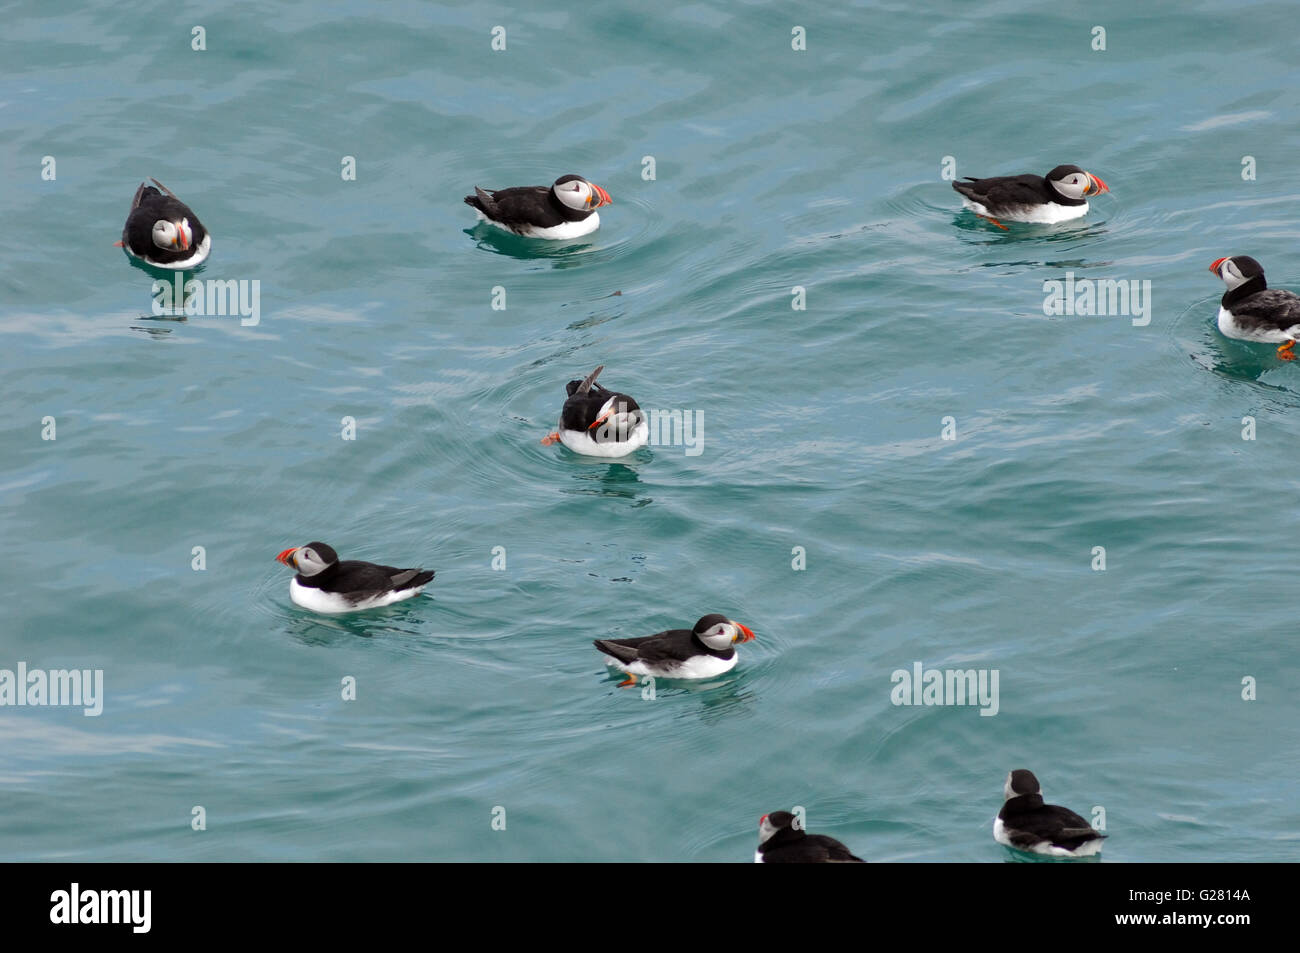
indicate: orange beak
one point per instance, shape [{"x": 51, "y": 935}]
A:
[
  {"x": 749, "y": 635},
  {"x": 1217, "y": 262},
  {"x": 180, "y": 237},
  {"x": 761, "y": 820},
  {"x": 286, "y": 557},
  {"x": 598, "y": 192},
  {"x": 1098, "y": 186},
  {"x": 598, "y": 421}
]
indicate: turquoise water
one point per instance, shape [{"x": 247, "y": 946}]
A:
[{"x": 1122, "y": 689}]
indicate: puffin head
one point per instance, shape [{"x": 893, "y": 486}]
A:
[
  {"x": 575, "y": 192},
  {"x": 309, "y": 560},
  {"x": 1074, "y": 183},
  {"x": 618, "y": 417},
  {"x": 769, "y": 825},
  {"x": 720, "y": 633},
  {"x": 1238, "y": 270},
  {"x": 1020, "y": 782},
  {"x": 173, "y": 236}
]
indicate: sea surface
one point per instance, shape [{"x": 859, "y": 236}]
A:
[{"x": 785, "y": 263}]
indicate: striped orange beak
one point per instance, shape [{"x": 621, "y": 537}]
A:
[
  {"x": 1217, "y": 262},
  {"x": 1098, "y": 186},
  {"x": 749, "y": 633},
  {"x": 286, "y": 557},
  {"x": 598, "y": 193}
]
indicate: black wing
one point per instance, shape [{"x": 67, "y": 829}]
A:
[
  {"x": 834, "y": 852},
  {"x": 1059, "y": 826},
  {"x": 1004, "y": 191},
  {"x": 356, "y": 576},
  {"x": 672, "y": 646},
  {"x": 519, "y": 207},
  {"x": 1271, "y": 308},
  {"x": 812, "y": 849},
  {"x": 581, "y": 410}
]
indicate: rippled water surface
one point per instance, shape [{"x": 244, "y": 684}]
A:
[{"x": 774, "y": 169}]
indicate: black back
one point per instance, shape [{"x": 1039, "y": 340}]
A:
[
  {"x": 1028, "y": 821},
  {"x": 789, "y": 845},
  {"x": 674, "y": 645}
]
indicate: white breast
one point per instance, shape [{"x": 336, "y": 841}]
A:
[
  {"x": 581, "y": 441},
  {"x": 700, "y": 666},
  {"x": 332, "y": 603},
  {"x": 1047, "y": 214},
  {"x": 564, "y": 230},
  {"x": 1230, "y": 328}
]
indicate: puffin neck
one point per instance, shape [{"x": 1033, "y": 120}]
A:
[
  {"x": 1022, "y": 804},
  {"x": 1244, "y": 290},
  {"x": 726, "y": 653},
  {"x": 784, "y": 837},
  {"x": 317, "y": 581},
  {"x": 566, "y": 213}
]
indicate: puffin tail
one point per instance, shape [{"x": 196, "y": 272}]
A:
[
  {"x": 621, "y": 653},
  {"x": 411, "y": 579},
  {"x": 584, "y": 385},
  {"x": 145, "y": 191},
  {"x": 481, "y": 200}
]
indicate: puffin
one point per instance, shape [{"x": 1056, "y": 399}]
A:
[
  {"x": 1045, "y": 199},
  {"x": 1252, "y": 311},
  {"x": 781, "y": 842},
  {"x": 1026, "y": 823},
  {"x": 566, "y": 209},
  {"x": 599, "y": 422},
  {"x": 163, "y": 231},
  {"x": 324, "y": 584},
  {"x": 702, "y": 652}
]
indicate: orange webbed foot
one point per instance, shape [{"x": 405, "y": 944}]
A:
[
  {"x": 627, "y": 682},
  {"x": 997, "y": 223},
  {"x": 1286, "y": 352},
  {"x": 550, "y": 438}
]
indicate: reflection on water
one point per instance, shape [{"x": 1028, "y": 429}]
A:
[
  {"x": 320, "y": 630},
  {"x": 711, "y": 700},
  {"x": 980, "y": 231},
  {"x": 563, "y": 254},
  {"x": 1020, "y": 857},
  {"x": 610, "y": 479}
]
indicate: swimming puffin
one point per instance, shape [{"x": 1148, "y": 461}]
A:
[
  {"x": 324, "y": 584},
  {"x": 780, "y": 842},
  {"x": 702, "y": 652},
  {"x": 566, "y": 209},
  {"x": 163, "y": 231},
  {"x": 1026, "y": 823},
  {"x": 1252, "y": 311},
  {"x": 599, "y": 422},
  {"x": 1045, "y": 199}
]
